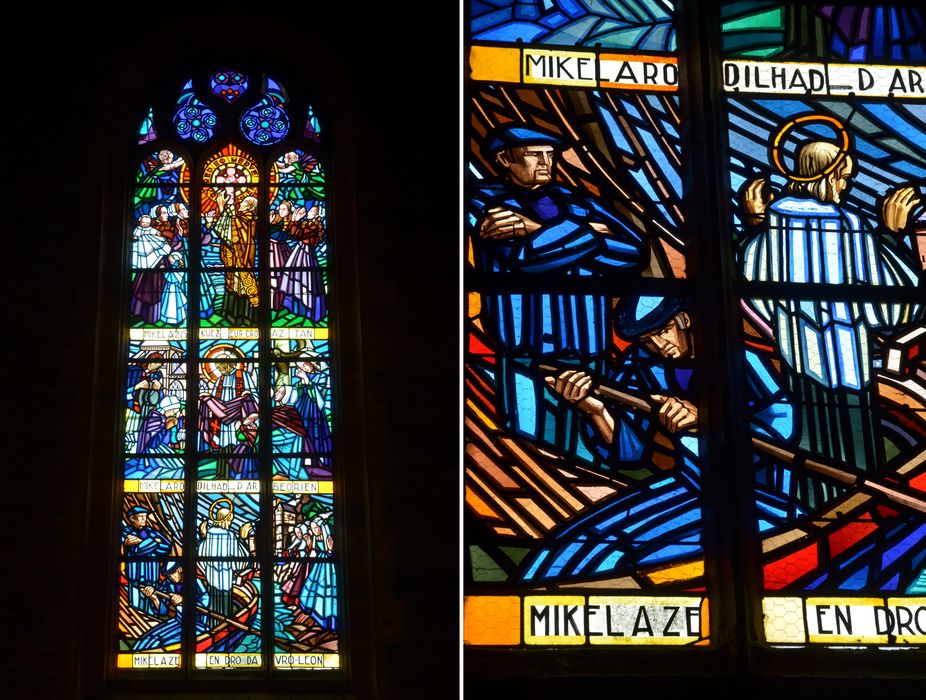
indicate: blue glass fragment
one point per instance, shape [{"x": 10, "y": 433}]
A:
[
  {"x": 228, "y": 84},
  {"x": 147, "y": 132}
]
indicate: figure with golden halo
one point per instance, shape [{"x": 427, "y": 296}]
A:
[
  {"x": 812, "y": 235},
  {"x": 228, "y": 412},
  {"x": 217, "y": 547}
]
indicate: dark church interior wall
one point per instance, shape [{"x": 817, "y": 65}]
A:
[{"x": 56, "y": 130}]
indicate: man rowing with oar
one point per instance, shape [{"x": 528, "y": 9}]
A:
[
  {"x": 167, "y": 598},
  {"x": 638, "y": 441},
  {"x": 642, "y": 420}
]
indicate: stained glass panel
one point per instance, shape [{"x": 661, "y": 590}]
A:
[
  {"x": 826, "y": 151},
  {"x": 267, "y": 122},
  {"x": 582, "y": 440},
  {"x": 147, "y": 132},
  {"x": 312, "y": 127},
  {"x": 228, "y": 84},
  {"x": 193, "y": 119}
]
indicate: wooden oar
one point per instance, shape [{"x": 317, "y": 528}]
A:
[
  {"x": 289, "y": 644},
  {"x": 793, "y": 458},
  {"x": 210, "y": 613}
]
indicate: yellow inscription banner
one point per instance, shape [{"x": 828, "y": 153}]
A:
[
  {"x": 153, "y": 486},
  {"x": 586, "y": 68},
  {"x": 221, "y": 660},
  {"x": 283, "y": 486},
  {"x": 829, "y": 79},
  {"x": 288, "y": 661},
  {"x": 573, "y": 620},
  {"x": 152, "y": 660}
]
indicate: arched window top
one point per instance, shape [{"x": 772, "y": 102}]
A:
[{"x": 260, "y": 111}]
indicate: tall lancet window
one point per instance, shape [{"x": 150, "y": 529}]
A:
[{"x": 227, "y": 514}]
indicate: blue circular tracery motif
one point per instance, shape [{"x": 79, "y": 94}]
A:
[{"x": 265, "y": 123}]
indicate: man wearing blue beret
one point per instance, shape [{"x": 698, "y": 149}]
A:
[
  {"x": 539, "y": 234},
  {"x": 141, "y": 541}
]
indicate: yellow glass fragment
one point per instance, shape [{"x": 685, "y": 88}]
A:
[
  {"x": 488, "y": 422},
  {"x": 479, "y": 505},
  {"x": 492, "y": 620},
  {"x": 680, "y": 572},
  {"x": 474, "y": 304},
  {"x": 496, "y": 64},
  {"x": 706, "y": 618}
]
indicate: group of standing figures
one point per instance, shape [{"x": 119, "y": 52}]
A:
[
  {"x": 229, "y": 241},
  {"x": 158, "y": 262}
]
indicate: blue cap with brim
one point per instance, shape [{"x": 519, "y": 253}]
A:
[
  {"x": 135, "y": 510},
  {"x": 638, "y": 315},
  {"x": 170, "y": 567},
  {"x": 511, "y": 136}
]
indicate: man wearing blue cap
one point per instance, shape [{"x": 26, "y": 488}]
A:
[
  {"x": 660, "y": 368},
  {"x": 166, "y": 597},
  {"x": 140, "y": 540},
  {"x": 530, "y": 225},
  {"x": 659, "y": 522}
]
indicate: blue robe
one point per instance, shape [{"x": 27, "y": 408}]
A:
[
  {"x": 319, "y": 594},
  {"x": 528, "y": 325},
  {"x": 317, "y": 431},
  {"x": 143, "y": 573},
  {"x": 827, "y": 345},
  {"x": 659, "y": 521}
]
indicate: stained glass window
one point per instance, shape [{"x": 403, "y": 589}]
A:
[
  {"x": 588, "y": 455},
  {"x": 228, "y": 526}
]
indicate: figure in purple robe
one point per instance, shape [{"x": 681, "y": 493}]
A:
[
  {"x": 228, "y": 420},
  {"x": 149, "y": 255},
  {"x": 160, "y": 440},
  {"x": 301, "y": 285}
]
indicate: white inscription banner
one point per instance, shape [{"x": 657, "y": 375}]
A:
[{"x": 824, "y": 79}]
